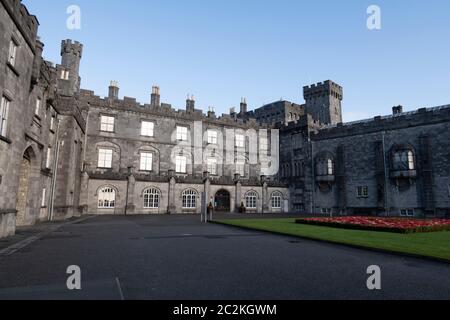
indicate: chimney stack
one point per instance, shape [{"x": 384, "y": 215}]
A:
[
  {"x": 114, "y": 90},
  {"x": 243, "y": 106},
  {"x": 156, "y": 97},
  {"x": 190, "y": 103},
  {"x": 397, "y": 110},
  {"x": 211, "y": 112}
]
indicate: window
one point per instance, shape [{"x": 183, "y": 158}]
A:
[
  {"x": 240, "y": 168},
  {"x": 250, "y": 200},
  {"x": 52, "y": 123},
  {"x": 189, "y": 199},
  {"x": 449, "y": 190},
  {"x": 407, "y": 212},
  {"x": 212, "y": 137},
  {"x": 240, "y": 141},
  {"x": 182, "y": 133},
  {"x": 49, "y": 158},
  {"x": 151, "y": 198},
  {"x": 146, "y": 161},
  {"x": 107, "y": 198},
  {"x": 107, "y": 124},
  {"x": 326, "y": 211},
  {"x": 4, "y": 110},
  {"x": 276, "y": 200},
  {"x": 181, "y": 164},
  {"x": 325, "y": 167},
  {"x": 404, "y": 160},
  {"x": 65, "y": 75},
  {"x": 264, "y": 144},
  {"x": 362, "y": 192},
  {"x": 105, "y": 158},
  {"x": 147, "y": 129},
  {"x": 212, "y": 166},
  {"x": 12, "y": 52},
  {"x": 38, "y": 106},
  {"x": 44, "y": 195}
]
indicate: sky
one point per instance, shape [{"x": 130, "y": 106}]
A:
[{"x": 264, "y": 50}]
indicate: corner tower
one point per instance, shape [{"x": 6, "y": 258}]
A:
[
  {"x": 69, "y": 71},
  {"x": 324, "y": 102}
]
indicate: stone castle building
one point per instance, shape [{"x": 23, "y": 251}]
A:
[{"x": 65, "y": 151}]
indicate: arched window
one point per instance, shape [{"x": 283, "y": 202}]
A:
[
  {"x": 250, "y": 200},
  {"x": 107, "y": 198},
  {"x": 151, "y": 198},
  {"x": 325, "y": 167},
  {"x": 189, "y": 199},
  {"x": 404, "y": 160},
  {"x": 276, "y": 200}
]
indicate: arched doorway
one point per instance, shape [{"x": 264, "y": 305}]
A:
[
  {"x": 23, "y": 199},
  {"x": 222, "y": 201}
]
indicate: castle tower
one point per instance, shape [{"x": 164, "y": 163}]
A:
[
  {"x": 69, "y": 73},
  {"x": 190, "y": 104},
  {"x": 324, "y": 102},
  {"x": 243, "y": 106},
  {"x": 156, "y": 97},
  {"x": 113, "y": 90}
]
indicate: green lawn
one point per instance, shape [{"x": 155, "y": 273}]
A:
[{"x": 435, "y": 244}]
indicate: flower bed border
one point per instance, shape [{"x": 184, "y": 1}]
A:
[{"x": 349, "y": 226}]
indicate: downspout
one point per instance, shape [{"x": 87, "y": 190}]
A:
[
  {"x": 386, "y": 181},
  {"x": 55, "y": 171},
  {"x": 313, "y": 173}
]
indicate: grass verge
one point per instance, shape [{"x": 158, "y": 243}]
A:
[{"x": 429, "y": 245}]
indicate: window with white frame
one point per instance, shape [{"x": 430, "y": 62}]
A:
[
  {"x": 325, "y": 167},
  {"x": 48, "y": 163},
  {"x": 181, "y": 164},
  {"x": 182, "y": 133},
  {"x": 44, "y": 195},
  {"x": 105, "y": 158},
  {"x": 38, "y": 106},
  {"x": 52, "y": 123},
  {"x": 276, "y": 200},
  {"x": 107, "y": 198},
  {"x": 263, "y": 144},
  {"x": 151, "y": 198},
  {"x": 240, "y": 141},
  {"x": 362, "y": 192},
  {"x": 212, "y": 166},
  {"x": 146, "y": 161},
  {"x": 147, "y": 129},
  {"x": 4, "y": 110},
  {"x": 240, "y": 167},
  {"x": 107, "y": 124},
  {"x": 189, "y": 199},
  {"x": 65, "y": 74},
  {"x": 12, "y": 52},
  {"x": 407, "y": 212},
  {"x": 250, "y": 200},
  {"x": 212, "y": 137}
]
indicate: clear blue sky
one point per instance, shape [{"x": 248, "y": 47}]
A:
[{"x": 264, "y": 50}]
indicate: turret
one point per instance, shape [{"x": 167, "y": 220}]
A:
[
  {"x": 190, "y": 103},
  {"x": 155, "y": 97},
  {"x": 324, "y": 102},
  {"x": 113, "y": 90},
  {"x": 243, "y": 106},
  {"x": 71, "y": 53}
]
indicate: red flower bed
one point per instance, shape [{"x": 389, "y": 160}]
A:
[{"x": 398, "y": 225}]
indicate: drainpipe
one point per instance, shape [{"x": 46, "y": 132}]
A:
[
  {"x": 386, "y": 181},
  {"x": 55, "y": 170},
  {"x": 313, "y": 205}
]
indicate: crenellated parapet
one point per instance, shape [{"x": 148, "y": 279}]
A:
[
  {"x": 26, "y": 23},
  {"x": 323, "y": 89}
]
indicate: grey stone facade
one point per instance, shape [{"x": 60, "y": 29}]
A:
[{"x": 65, "y": 151}]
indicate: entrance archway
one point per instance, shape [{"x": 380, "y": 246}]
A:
[
  {"x": 23, "y": 195},
  {"x": 222, "y": 201}
]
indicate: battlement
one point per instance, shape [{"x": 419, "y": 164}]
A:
[
  {"x": 27, "y": 23},
  {"x": 322, "y": 89},
  {"x": 73, "y": 47},
  {"x": 420, "y": 117}
]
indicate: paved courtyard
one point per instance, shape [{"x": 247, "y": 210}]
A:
[{"x": 177, "y": 257}]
